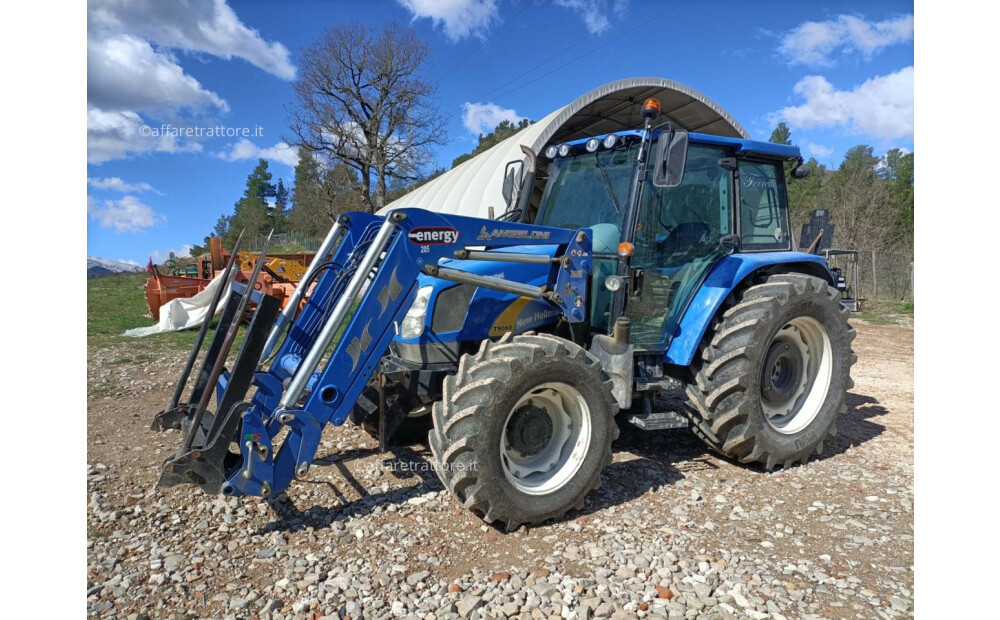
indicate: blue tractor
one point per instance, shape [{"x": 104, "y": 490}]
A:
[{"x": 654, "y": 283}]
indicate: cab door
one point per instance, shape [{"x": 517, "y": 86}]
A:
[{"x": 677, "y": 242}]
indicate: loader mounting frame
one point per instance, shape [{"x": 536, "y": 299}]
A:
[{"x": 334, "y": 344}]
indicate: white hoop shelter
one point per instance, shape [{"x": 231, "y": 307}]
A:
[{"x": 476, "y": 185}]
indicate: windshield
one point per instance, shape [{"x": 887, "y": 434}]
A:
[{"x": 587, "y": 189}]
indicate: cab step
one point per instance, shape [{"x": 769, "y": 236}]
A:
[
  {"x": 658, "y": 420},
  {"x": 649, "y": 419}
]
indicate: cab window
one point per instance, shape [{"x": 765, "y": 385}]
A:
[{"x": 763, "y": 213}]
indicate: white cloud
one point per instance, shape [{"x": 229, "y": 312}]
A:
[
  {"x": 115, "y": 184},
  {"x": 819, "y": 151},
  {"x": 133, "y": 76},
  {"x": 458, "y": 18},
  {"x": 159, "y": 256},
  {"x": 209, "y": 26},
  {"x": 126, "y": 73},
  {"x": 111, "y": 135},
  {"x": 125, "y": 215},
  {"x": 882, "y": 107},
  {"x": 484, "y": 117},
  {"x": 812, "y": 43},
  {"x": 595, "y": 13},
  {"x": 245, "y": 149}
]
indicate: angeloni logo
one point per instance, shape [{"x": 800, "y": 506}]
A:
[
  {"x": 433, "y": 235},
  {"x": 498, "y": 233}
]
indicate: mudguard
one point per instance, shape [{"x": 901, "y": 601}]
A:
[{"x": 726, "y": 275}]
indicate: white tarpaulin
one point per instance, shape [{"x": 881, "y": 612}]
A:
[{"x": 178, "y": 314}]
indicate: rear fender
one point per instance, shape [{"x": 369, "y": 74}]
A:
[{"x": 727, "y": 275}]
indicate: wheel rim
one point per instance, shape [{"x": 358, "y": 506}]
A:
[
  {"x": 796, "y": 375},
  {"x": 545, "y": 438}
]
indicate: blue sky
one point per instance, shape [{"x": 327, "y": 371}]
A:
[{"x": 839, "y": 74}]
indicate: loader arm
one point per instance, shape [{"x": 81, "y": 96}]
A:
[{"x": 335, "y": 343}]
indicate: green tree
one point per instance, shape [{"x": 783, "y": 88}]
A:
[
  {"x": 804, "y": 195},
  {"x": 221, "y": 226},
  {"x": 398, "y": 190},
  {"x": 321, "y": 194},
  {"x": 251, "y": 212},
  {"x": 897, "y": 169},
  {"x": 502, "y": 131},
  {"x": 279, "y": 211},
  {"x": 781, "y": 134}
]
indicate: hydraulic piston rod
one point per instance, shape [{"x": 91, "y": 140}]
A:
[
  {"x": 288, "y": 313},
  {"x": 311, "y": 361},
  {"x": 498, "y": 284}
]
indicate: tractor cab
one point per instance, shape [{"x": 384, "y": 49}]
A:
[{"x": 726, "y": 195}]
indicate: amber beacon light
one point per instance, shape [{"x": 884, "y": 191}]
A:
[{"x": 651, "y": 108}]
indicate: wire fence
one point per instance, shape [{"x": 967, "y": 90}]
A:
[
  {"x": 283, "y": 242},
  {"x": 885, "y": 277}
]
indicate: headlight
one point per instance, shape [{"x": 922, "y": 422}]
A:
[
  {"x": 416, "y": 316},
  {"x": 614, "y": 283},
  {"x": 593, "y": 144},
  {"x": 551, "y": 151},
  {"x": 564, "y": 150},
  {"x": 610, "y": 140}
]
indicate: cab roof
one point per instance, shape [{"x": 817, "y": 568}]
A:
[{"x": 740, "y": 146}]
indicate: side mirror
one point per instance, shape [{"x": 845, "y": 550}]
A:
[
  {"x": 671, "y": 156},
  {"x": 801, "y": 171},
  {"x": 508, "y": 185}
]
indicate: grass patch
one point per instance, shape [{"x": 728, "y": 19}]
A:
[
  {"x": 117, "y": 303},
  {"x": 873, "y": 319},
  {"x": 885, "y": 312},
  {"x": 881, "y": 306}
]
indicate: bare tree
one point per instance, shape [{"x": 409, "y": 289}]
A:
[
  {"x": 321, "y": 194},
  {"x": 860, "y": 206},
  {"x": 359, "y": 100}
]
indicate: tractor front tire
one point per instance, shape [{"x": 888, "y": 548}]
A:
[
  {"x": 773, "y": 372},
  {"x": 524, "y": 429}
]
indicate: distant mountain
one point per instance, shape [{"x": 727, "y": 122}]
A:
[{"x": 97, "y": 267}]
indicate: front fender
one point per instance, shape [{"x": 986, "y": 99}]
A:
[{"x": 727, "y": 275}]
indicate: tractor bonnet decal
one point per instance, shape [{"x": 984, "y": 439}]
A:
[{"x": 433, "y": 235}]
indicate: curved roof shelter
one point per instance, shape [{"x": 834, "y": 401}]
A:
[{"x": 475, "y": 185}]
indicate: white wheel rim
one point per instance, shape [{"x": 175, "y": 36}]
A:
[
  {"x": 812, "y": 342},
  {"x": 551, "y": 467}
]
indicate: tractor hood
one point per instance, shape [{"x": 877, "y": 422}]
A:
[{"x": 461, "y": 312}]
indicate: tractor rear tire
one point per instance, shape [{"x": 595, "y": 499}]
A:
[
  {"x": 773, "y": 372},
  {"x": 524, "y": 429}
]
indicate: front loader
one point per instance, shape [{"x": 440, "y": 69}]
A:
[{"x": 656, "y": 267}]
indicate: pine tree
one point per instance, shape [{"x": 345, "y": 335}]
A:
[
  {"x": 781, "y": 134},
  {"x": 279, "y": 212},
  {"x": 251, "y": 211}
]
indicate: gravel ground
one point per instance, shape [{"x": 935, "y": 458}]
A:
[{"x": 673, "y": 532}]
